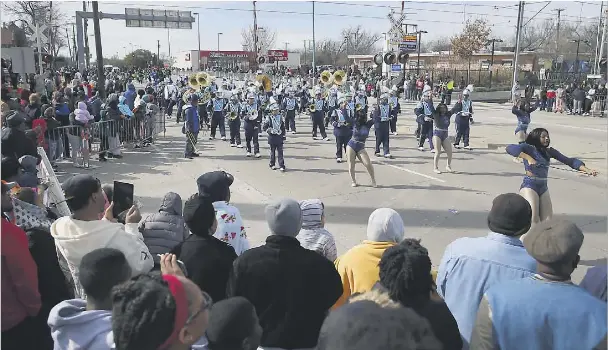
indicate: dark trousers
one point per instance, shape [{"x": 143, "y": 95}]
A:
[
  {"x": 393, "y": 121},
  {"x": 251, "y": 134},
  {"x": 462, "y": 131},
  {"x": 290, "y": 120},
  {"x": 170, "y": 104},
  {"x": 317, "y": 122},
  {"x": 203, "y": 116},
  {"x": 382, "y": 136},
  {"x": 276, "y": 150},
  {"x": 426, "y": 131},
  {"x": 31, "y": 333},
  {"x": 235, "y": 131},
  {"x": 217, "y": 119},
  {"x": 328, "y": 115},
  {"x": 341, "y": 142},
  {"x": 180, "y": 105}
]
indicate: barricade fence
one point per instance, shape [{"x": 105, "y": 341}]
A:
[
  {"x": 79, "y": 142},
  {"x": 594, "y": 106}
]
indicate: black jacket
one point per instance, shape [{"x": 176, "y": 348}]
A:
[
  {"x": 208, "y": 262},
  {"x": 16, "y": 144},
  {"x": 292, "y": 289}
]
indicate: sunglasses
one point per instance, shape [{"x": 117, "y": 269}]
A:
[{"x": 205, "y": 305}]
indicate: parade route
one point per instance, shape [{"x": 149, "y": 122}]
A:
[{"x": 436, "y": 208}]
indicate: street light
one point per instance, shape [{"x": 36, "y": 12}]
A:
[
  {"x": 493, "y": 41},
  {"x": 578, "y": 45},
  {"x": 218, "y": 41},
  {"x": 420, "y": 32},
  {"x": 198, "y": 33}
]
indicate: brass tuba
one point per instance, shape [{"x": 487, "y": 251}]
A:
[
  {"x": 264, "y": 81},
  {"x": 203, "y": 79},
  {"x": 326, "y": 78},
  {"x": 193, "y": 81},
  {"x": 339, "y": 77}
]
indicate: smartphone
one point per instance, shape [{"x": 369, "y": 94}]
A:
[{"x": 122, "y": 197}]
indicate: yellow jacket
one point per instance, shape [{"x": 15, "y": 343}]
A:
[{"x": 358, "y": 268}]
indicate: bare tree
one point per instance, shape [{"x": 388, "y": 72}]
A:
[
  {"x": 473, "y": 38},
  {"x": 442, "y": 43},
  {"x": 329, "y": 51},
  {"x": 537, "y": 36},
  {"x": 266, "y": 39},
  {"x": 360, "y": 41}
]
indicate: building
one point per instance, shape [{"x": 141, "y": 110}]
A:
[{"x": 208, "y": 59}]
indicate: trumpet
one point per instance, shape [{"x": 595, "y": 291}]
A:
[{"x": 232, "y": 116}]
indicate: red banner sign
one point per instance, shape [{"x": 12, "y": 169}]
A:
[{"x": 278, "y": 55}]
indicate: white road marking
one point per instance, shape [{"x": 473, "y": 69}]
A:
[{"x": 409, "y": 171}]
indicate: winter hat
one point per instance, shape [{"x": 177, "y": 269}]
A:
[
  {"x": 385, "y": 225},
  {"x": 511, "y": 215},
  {"x": 199, "y": 214},
  {"x": 284, "y": 217},
  {"x": 554, "y": 241}
]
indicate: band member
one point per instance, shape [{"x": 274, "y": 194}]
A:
[
  {"x": 251, "y": 119},
  {"x": 393, "y": 102},
  {"x": 356, "y": 147},
  {"x": 290, "y": 106},
  {"x": 331, "y": 104},
  {"x": 275, "y": 127},
  {"x": 191, "y": 126},
  {"x": 381, "y": 116},
  {"x": 441, "y": 119},
  {"x": 233, "y": 108},
  {"x": 342, "y": 122},
  {"x": 536, "y": 155},
  {"x": 361, "y": 99},
  {"x": 216, "y": 105},
  {"x": 304, "y": 95},
  {"x": 424, "y": 116},
  {"x": 463, "y": 110},
  {"x": 317, "y": 117},
  {"x": 522, "y": 111},
  {"x": 202, "y": 107}
]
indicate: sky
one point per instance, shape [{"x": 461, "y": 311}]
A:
[{"x": 293, "y": 20}]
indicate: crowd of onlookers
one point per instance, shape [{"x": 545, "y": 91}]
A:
[
  {"x": 187, "y": 277},
  {"x": 577, "y": 99}
]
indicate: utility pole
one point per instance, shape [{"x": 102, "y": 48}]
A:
[
  {"x": 598, "y": 40},
  {"x": 286, "y": 43},
  {"x": 520, "y": 17},
  {"x": 559, "y": 19},
  {"x": 314, "y": 48},
  {"x": 74, "y": 43},
  {"x": 304, "y": 51},
  {"x": 494, "y": 41},
  {"x": 87, "y": 56},
  {"x": 169, "y": 44},
  {"x": 67, "y": 36},
  {"x": 603, "y": 42},
  {"x": 101, "y": 84},
  {"x": 157, "y": 52},
  {"x": 255, "y": 36}
]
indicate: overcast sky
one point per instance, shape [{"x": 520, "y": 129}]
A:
[{"x": 292, "y": 21}]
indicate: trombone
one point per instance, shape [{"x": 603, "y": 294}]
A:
[{"x": 192, "y": 140}]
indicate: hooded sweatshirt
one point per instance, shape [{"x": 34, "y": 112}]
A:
[
  {"x": 74, "y": 327},
  {"x": 358, "y": 267},
  {"x": 130, "y": 95},
  {"x": 124, "y": 108},
  {"x": 313, "y": 236},
  {"x": 75, "y": 238},
  {"x": 29, "y": 175},
  {"x": 82, "y": 114},
  {"x": 164, "y": 230}
]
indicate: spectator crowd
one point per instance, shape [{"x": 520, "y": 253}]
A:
[{"x": 187, "y": 277}]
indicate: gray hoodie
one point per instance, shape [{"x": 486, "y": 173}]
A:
[
  {"x": 313, "y": 236},
  {"x": 164, "y": 230},
  {"x": 75, "y": 328}
]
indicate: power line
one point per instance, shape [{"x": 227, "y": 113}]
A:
[{"x": 547, "y": 4}]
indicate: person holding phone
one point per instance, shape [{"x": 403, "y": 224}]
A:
[{"x": 82, "y": 232}]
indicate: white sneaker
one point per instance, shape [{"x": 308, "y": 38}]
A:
[
  {"x": 248, "y": 154},
  {"x": 354, "y": 184},
  {"x": 468, "y": 148},
  {"x": 437, "y": 171},
  {"x": 223, "y": 138},
  {"x": 388, "y": 155},
  {"x": 327, "y": 139},
  {"x": 421, "y": 148},
  {"x": 282, "y": 170},
  {"x": 211, "y": 138},
  {"x": 232, "y": 145},
  {"x": 395, "y": 133},
  {"x": 293, "y": 132},
  {"x": 273, "y": 167},
  {"x": 448, "y": 169},
  {"x": 339, "y": 160},
  {"x": 315, "y": 138},
  {"x": 239, "y": 146},
  {"x": 433, "y": 150},
  {"x": 257, "y": 155},
  {"x": 457, "y": 146}
]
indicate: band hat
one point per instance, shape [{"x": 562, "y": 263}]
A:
[{"x": 554, "y": 241}]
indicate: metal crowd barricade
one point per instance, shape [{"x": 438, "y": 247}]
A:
[
  {"x": 81, "y": 142},
  {"x": 598, "y": 106}
]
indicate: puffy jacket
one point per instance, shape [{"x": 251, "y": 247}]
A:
[{"x": 166, "y": 229}]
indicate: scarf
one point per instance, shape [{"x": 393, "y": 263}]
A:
[{"x": 28, "y": 216}]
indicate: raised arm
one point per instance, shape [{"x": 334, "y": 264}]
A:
[{"x": 574, "y": 163}]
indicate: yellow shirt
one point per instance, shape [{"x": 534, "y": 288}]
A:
[
  {"x": 450, "y": 85},
  {"x": 358, "y": 268}
]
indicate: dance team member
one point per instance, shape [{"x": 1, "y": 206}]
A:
[
  {"x": 275, "y": 127},
  {"x": 536, "y": 155},
  {"x": 342, "y": 122},
  {"x": 441, "y": 119},
  {"x": 356, "y": 147},
  {"x": 424, "y": 116},
  {"x": 463, "y": 109},
  {"x": 522, "y": 111},
  {"x": 381, "y": 116}
]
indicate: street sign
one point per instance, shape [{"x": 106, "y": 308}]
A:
[
  {"x": 39, "y": 33},
  {"x": 278, "y": 55},
  {"x": 409, "y": 43},
  {"x": 146, "y": 18},
  {"x": 395, "y": 68}
]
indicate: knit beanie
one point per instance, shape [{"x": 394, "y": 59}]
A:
[
  {"x": 284, "y": 217},
  {"x": 199, "y": 215},
  {"x": 511, "y": 215}
]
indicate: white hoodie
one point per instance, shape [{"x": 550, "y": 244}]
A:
[
  {"x": 230, "y": 227},
  {"x": 76, "y": 238}
]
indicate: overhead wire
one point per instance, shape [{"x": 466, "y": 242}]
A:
[{"x": 539, "y": 11}]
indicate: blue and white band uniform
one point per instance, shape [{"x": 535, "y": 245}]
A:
[
  {"x": 318, "y": 105},
  {"x": 290, "y": 104},
  {"x": 331, "y": 101},
  {"x": 341, "y": 119},
  {"x": 393, "y": 101},
  {"x": 218, "y": 105},
  {"x": 361, "y": 101},
  {"x": 384, "y": 113},
  {"x": 275, "y": 124},
  {"x": 427, "y": 109},
  {"x": 252, "y": 109},
  {"x": 466, "y": 106},
  {"x": 234, "y": 107}
]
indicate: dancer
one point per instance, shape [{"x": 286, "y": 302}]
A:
[
  {"x": 275, "y": 127},
  {"x": 424, "y": 116},
  {"x": 216, "y": 105},
  {"x": 356, "y": 147},
  {"x": 536, "y": 155},
  {"x": 290, "y": 106},
  {"x": 393, "y": 101},
  {"x": 233, "y": 108},
  {"x": 317, "y": 117},
  {"x": 381, "y": 116},
  {"x": 441, "y": 120},
  {"x": 251, "y": 118},
  {"x": 522, "y": 111},
  {"x": 463, "y": 109},
  {"x": 342, "y": 122}
]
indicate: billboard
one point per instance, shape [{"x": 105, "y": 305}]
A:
[
  {"x": 278, "y": 55},
  {"x": 409, "y": 43}
]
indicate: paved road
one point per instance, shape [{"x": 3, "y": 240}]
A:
[{"x": 435, "y": 208}]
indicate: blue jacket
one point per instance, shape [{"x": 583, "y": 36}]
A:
[
  {"x": 130, "y": 95},
  {"x": 471, "y": 265},
  {"x": 192, "y": 122}
]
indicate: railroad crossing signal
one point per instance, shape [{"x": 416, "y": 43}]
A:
[
  {"x": 38, "y": 33},
  {"x": 396, "y": 31}
]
